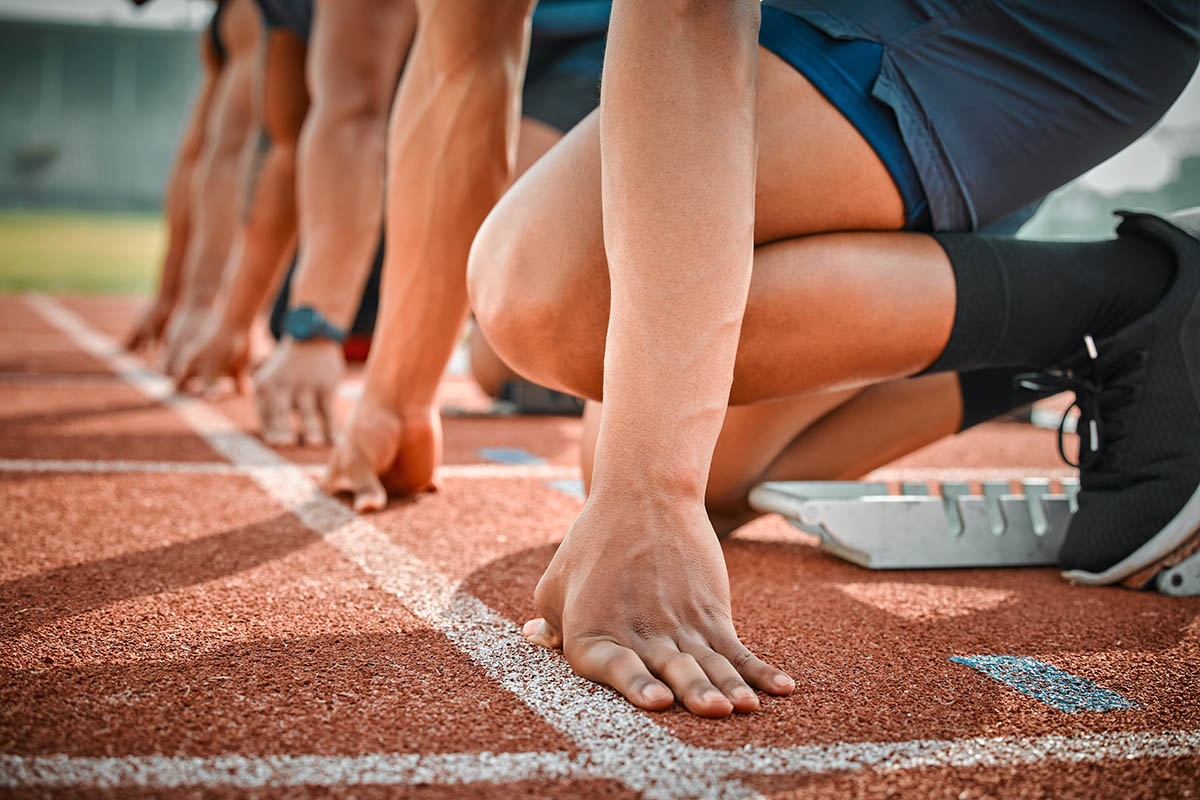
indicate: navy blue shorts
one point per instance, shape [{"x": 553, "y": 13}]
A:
[
  {"x": 292, "y": 15},
  {"x": 566, "y": 56},
  {"x": 996, "y": 102}
]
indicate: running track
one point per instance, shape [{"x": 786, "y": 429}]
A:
[{"x": 185, "y": 614}]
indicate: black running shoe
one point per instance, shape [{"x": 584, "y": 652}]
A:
[{"x": 1138, "y": 394}]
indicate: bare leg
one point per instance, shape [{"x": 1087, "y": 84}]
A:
[
  {"x": 541, "y": 290},
  {"x": 486, "y": 367},
  {"x": 837, "y": 435}
]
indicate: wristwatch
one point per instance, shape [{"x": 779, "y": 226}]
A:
[{"x": 306, "y": 323}]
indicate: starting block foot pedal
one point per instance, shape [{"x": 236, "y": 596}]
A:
[{"x": 865, "y": 524}]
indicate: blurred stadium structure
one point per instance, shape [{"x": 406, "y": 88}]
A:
[{"x": 93, "y": 95}]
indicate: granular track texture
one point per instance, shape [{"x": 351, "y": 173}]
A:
[{"x": 178, "y": 624}]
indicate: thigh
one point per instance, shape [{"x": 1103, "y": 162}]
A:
[{"x": 815, "y": 173}]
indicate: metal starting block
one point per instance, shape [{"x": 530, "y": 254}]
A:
[
  {"x": 867, "y": 525},
  {"x": 864, "y": 524}
]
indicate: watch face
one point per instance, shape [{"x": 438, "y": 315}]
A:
[{"x": 301, "y": 323}]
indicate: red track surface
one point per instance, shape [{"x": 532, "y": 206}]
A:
[{"x": 178, "y": 610}]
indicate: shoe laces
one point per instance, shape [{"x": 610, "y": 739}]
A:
[{"x": 1101, "y": 392}]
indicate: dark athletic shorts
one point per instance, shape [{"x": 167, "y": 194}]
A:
[
  {"x": 996, "y": 103},
  {"x": 566, "y": 56},
  {"x": 214, "y": 34},
  {"x": 293, "y": 15}
]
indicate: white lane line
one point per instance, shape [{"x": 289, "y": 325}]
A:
[
  {"x": 453, "y": 471},
  {"x": 1000, "y": 751},
  {"x": 397, "y": 769},
  {"x": 82, "y": 465},
  {"x": 249, "y": 772},
  {"x": 615, "y": 741},
  {"x": 898, "y": 474},
  {"x": 547, "y": 472}
]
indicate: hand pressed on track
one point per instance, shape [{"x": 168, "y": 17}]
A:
[
  {"x": 385, "y": 451},
  {"x": 299, "y": 377},
  {"x": 182, "y": 332},
  {"x": 637, "y": 596},
  {"x": 218, "y": 352},
  {"x": 149, "y": 330}
]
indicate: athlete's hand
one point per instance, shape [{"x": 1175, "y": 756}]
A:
[
  {"x": 385, "y": 451},
  {"x": 219, "y": 351},
  {"x": 148, "y": 331},
  {"x": 185, "y": 326},
  {"x": 637, "y": 596},
  {"x": 301, "y": 377}
]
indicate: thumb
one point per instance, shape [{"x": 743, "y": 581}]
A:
[{"x": 539, "y": 631}]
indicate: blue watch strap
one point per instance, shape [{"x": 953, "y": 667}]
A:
[{"x": 306, "y": 323}]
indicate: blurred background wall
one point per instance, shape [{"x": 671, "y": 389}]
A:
[{"x": 92, "y": 103}]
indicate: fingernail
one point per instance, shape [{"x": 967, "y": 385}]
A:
[
  {"x": 742, "y": 693},
  {"x": 656, "y": 694},
  {"x": 712, "y": 696},
  {"x": 783, "y": 683},
  {"x": 530, "y": 628}
]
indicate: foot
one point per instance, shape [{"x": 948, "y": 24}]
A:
[
  {"x": 1139, "y": 398},
  {"x": 385, "y": 452}
]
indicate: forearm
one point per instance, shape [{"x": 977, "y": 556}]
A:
[
  {"x": 178, "y": 229},
  {"x": 452, "y": 150},
  {"x": 678, "y": 151},
  {"x": 341, "y": 193},
  {"x": 180, "y": 183},
  {"x": 342, "y": 150},
  {"x": 215, "y": 189},
  {"x": 268, "y": 239}
]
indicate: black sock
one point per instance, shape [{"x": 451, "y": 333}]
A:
[
  {"x": 1030, "y": 304},
  {"x": 988, "y": 393}
]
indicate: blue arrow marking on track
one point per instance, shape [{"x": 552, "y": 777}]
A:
[
  {"x": 1047, "y": 683},
  {"x": 509, "y": 455}
]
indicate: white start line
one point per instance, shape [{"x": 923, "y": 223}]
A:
[
  {"x": 452, "y": 471},
  {"x": 614, "y": 740}
]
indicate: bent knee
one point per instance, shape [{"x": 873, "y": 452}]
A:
[{"x": 520, "y": 305}]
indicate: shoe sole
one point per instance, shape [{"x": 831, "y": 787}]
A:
[{"x": 1176, "y": 541}]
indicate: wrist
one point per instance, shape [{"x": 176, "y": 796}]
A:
[
  {"x": 403, "y": 407},
  {"x": 633, "y": 486},
  {"x": 304, "y": 323},
  {"x": 332, "y": 308}
]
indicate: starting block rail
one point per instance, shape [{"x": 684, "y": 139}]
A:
[{"x": 865, "y": 524}]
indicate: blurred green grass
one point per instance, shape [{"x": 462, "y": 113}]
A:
[{"x": 79, "y": 252}]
